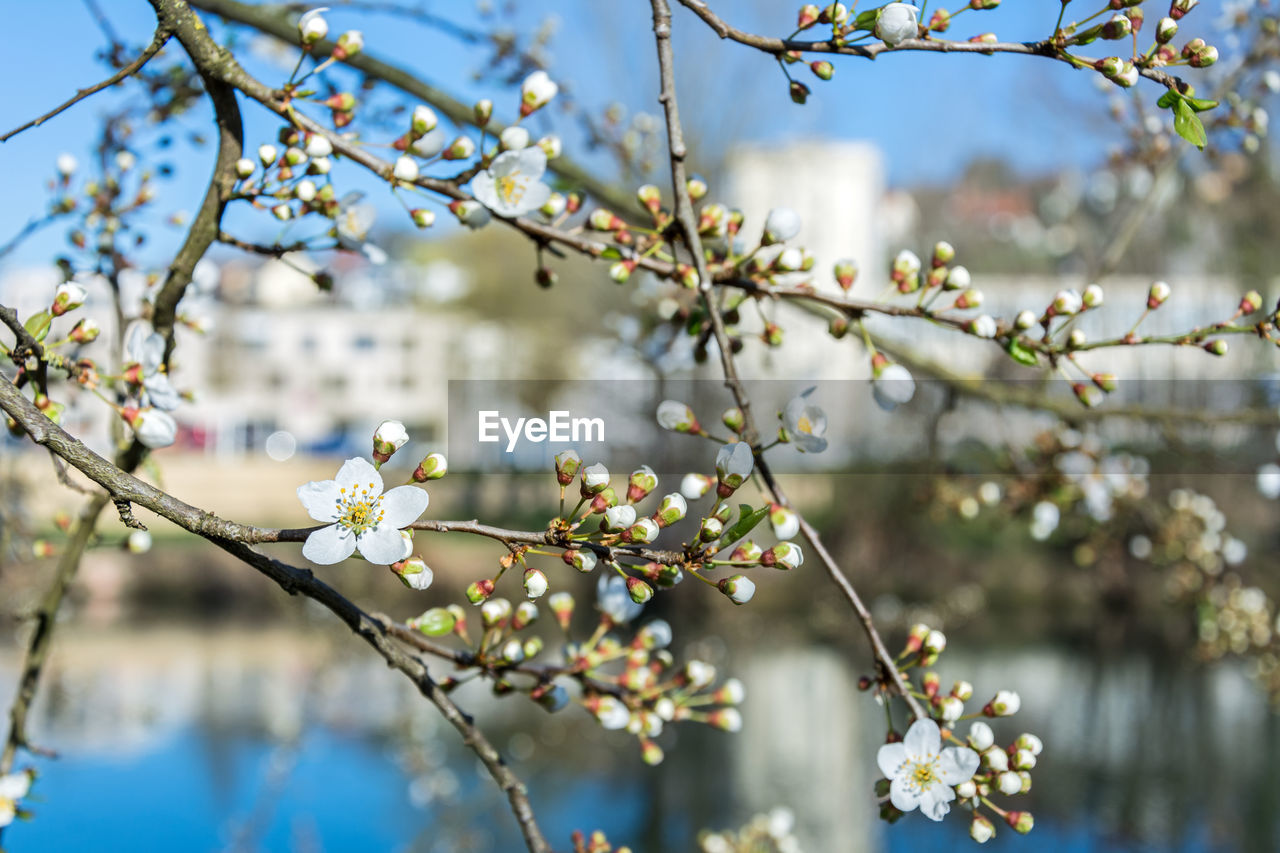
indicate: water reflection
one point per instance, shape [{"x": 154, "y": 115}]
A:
[{"x": 238, "y": 740}]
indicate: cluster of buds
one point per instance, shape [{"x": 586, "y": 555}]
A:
[
  {"x": 650, "y": 690},
  {"x": 981, "y": 768}
]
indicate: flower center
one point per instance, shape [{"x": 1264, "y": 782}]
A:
[
  {"x": 804, "y": 425},
  {"x": 922, "y": 774},
  {"x": 511, "y": 189},
  {"x": 361, "y": 510}
]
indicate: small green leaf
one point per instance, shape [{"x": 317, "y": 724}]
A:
[
  {"x": 436, "y": 622},
  {"x": 866, "y": 20},
  {"x": 1021, "y": 353},
  {"x": 747, "y": 520},
  {"x": 1168, "y": 99},
  {"x": 38, "y": 325},
  {"x": 1200, "y": 104},
  {"x": 1188, "y": 125},
  {"x": 611, "y": 253}
]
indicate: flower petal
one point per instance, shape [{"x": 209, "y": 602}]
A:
[
  {"x": 14, "y": 786},
  {"x": 161, "y": 393},
  {"x": 382, "y": 546},
  {"x": 320, "y": 499},
  {"x": 935, "y": 801},
  {"x": 903, "y": 796},
  {"x": 957, "y": 764},
  {"x": 329, "y": 545},
  {"x": 923, "y": 739},
  {"x": 535, "y": 197},
  {"x": 890, "y": 758},
  {"x": 359, "y": 474},
  {"x": 532, "y": 161},
  {"x": 402, "y": 505},
  {"x": 482, "y": 189}
]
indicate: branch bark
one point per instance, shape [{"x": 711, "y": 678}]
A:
[
  {"x": 689, "y": 227},
  {"x": 123, "y": 486}
]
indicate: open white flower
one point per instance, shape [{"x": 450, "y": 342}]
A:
[
  {"x": 13, "y": 788},
  {"x": 513, "y": 186},
  {"x": 362, "y": 516},
  {"x": 353, "y": 226},
  {"x": 922, "y": 773},
  {"x": 805, "y": 423},
  {"x": 145, "y": 347},
  {"x": 897, "y": 22}
]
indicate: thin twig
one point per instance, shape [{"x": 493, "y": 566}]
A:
[
  {"x": 123, "y": 486},
  {"x": 689, "y": 226},
  {"x": 157, "y": 41}
]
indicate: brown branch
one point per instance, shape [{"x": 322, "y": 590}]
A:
[
  {"x": 157, "y": 41},
  {"x": 777, "y": 46},
  {"x": 689, "y": 226},
  {"x": 276, "y": 21},
  {"x": 125, "y": 487},
  {"x": 44, "y": 620},
  {"x": 176, "y": 18}
]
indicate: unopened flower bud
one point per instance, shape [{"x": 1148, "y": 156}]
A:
[
  {"x": 981, "y": 737},
  {"x": 673, "y": 509},
  {"x": 1093, "y": 296},
  {"x": 536, "y": 91},
  {"x": 1218, "y": 347},
  {"x": 710, "y": 530},
  {"x": 413, "y": 573},
  {"x": 639, "y": 591},
  {"x": 739, "y": 588},
  {"x": 1005, "y": 703},
  {"x": 482, "y": 110},
  {"x": 595, "y": 479},
  {"x": 1166, "y": 29},
  {"x": 535, "y": 583},
  {"x": 67, "y": 297},
  {"x": 1021, "y": 822},
  {"x": 980, "y": 829},
  {"x": 822, "y": 69},
  {"x": 479, "y": 591},
  {"x": 846, "y": 272},
  {"x": 784, "y": 555},
  {"x": 1157, "y": 295},
  {"x": 734, "y": 463},
  {"x": 312, "y": 26},
  {"x": 677, "y": 417},
  {"x": 580, "y": 558},
  {"x": 461, "y": 148},
  {"x": 244, "y": 167},
  {"x": 389, "y": 437},
  {"x": 514, "y": 138},
  {"x": 424, "y": 120},
  {"x": 349, "y": 44},
  {"x": 1250, "y": 302}
]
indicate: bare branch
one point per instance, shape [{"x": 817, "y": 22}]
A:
[
  {"x": 777, "y": 46},
  {"x": 157, "y": 41},
  {"x": 889, "y": 672},
  {"x": 125, "y": 487}
]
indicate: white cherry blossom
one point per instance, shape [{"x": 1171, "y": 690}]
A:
[
  {"x": 921, "y": 773},
  {"x": 513, "y": 186},
  {"x": 361, "y": 516}
]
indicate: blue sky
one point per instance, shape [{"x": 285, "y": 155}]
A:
[{"x": 931, "y": 114}]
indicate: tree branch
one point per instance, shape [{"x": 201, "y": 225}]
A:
[
  {"x": 276, "y": 21},
  {"x": 777, "y": 46},
  {"x": 157, "y": 41},
  {"x": 689, "y": 226},
  {"x": 123, "y": 486}
]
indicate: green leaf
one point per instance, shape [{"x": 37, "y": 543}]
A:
[
  {"x": 611, "y": 253},
  {"x": 866, "y": 20},
  {"x": 436, "y": 622},
  {"x": 747, "y": 520},
  {"x": 38, "y": 325},
  {"x": 1200, "y": 104},
  {"x": 1021, "y": 353},
  {"x": 1168, "y": 99},
  {"x": 1188, "y": 125}
]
